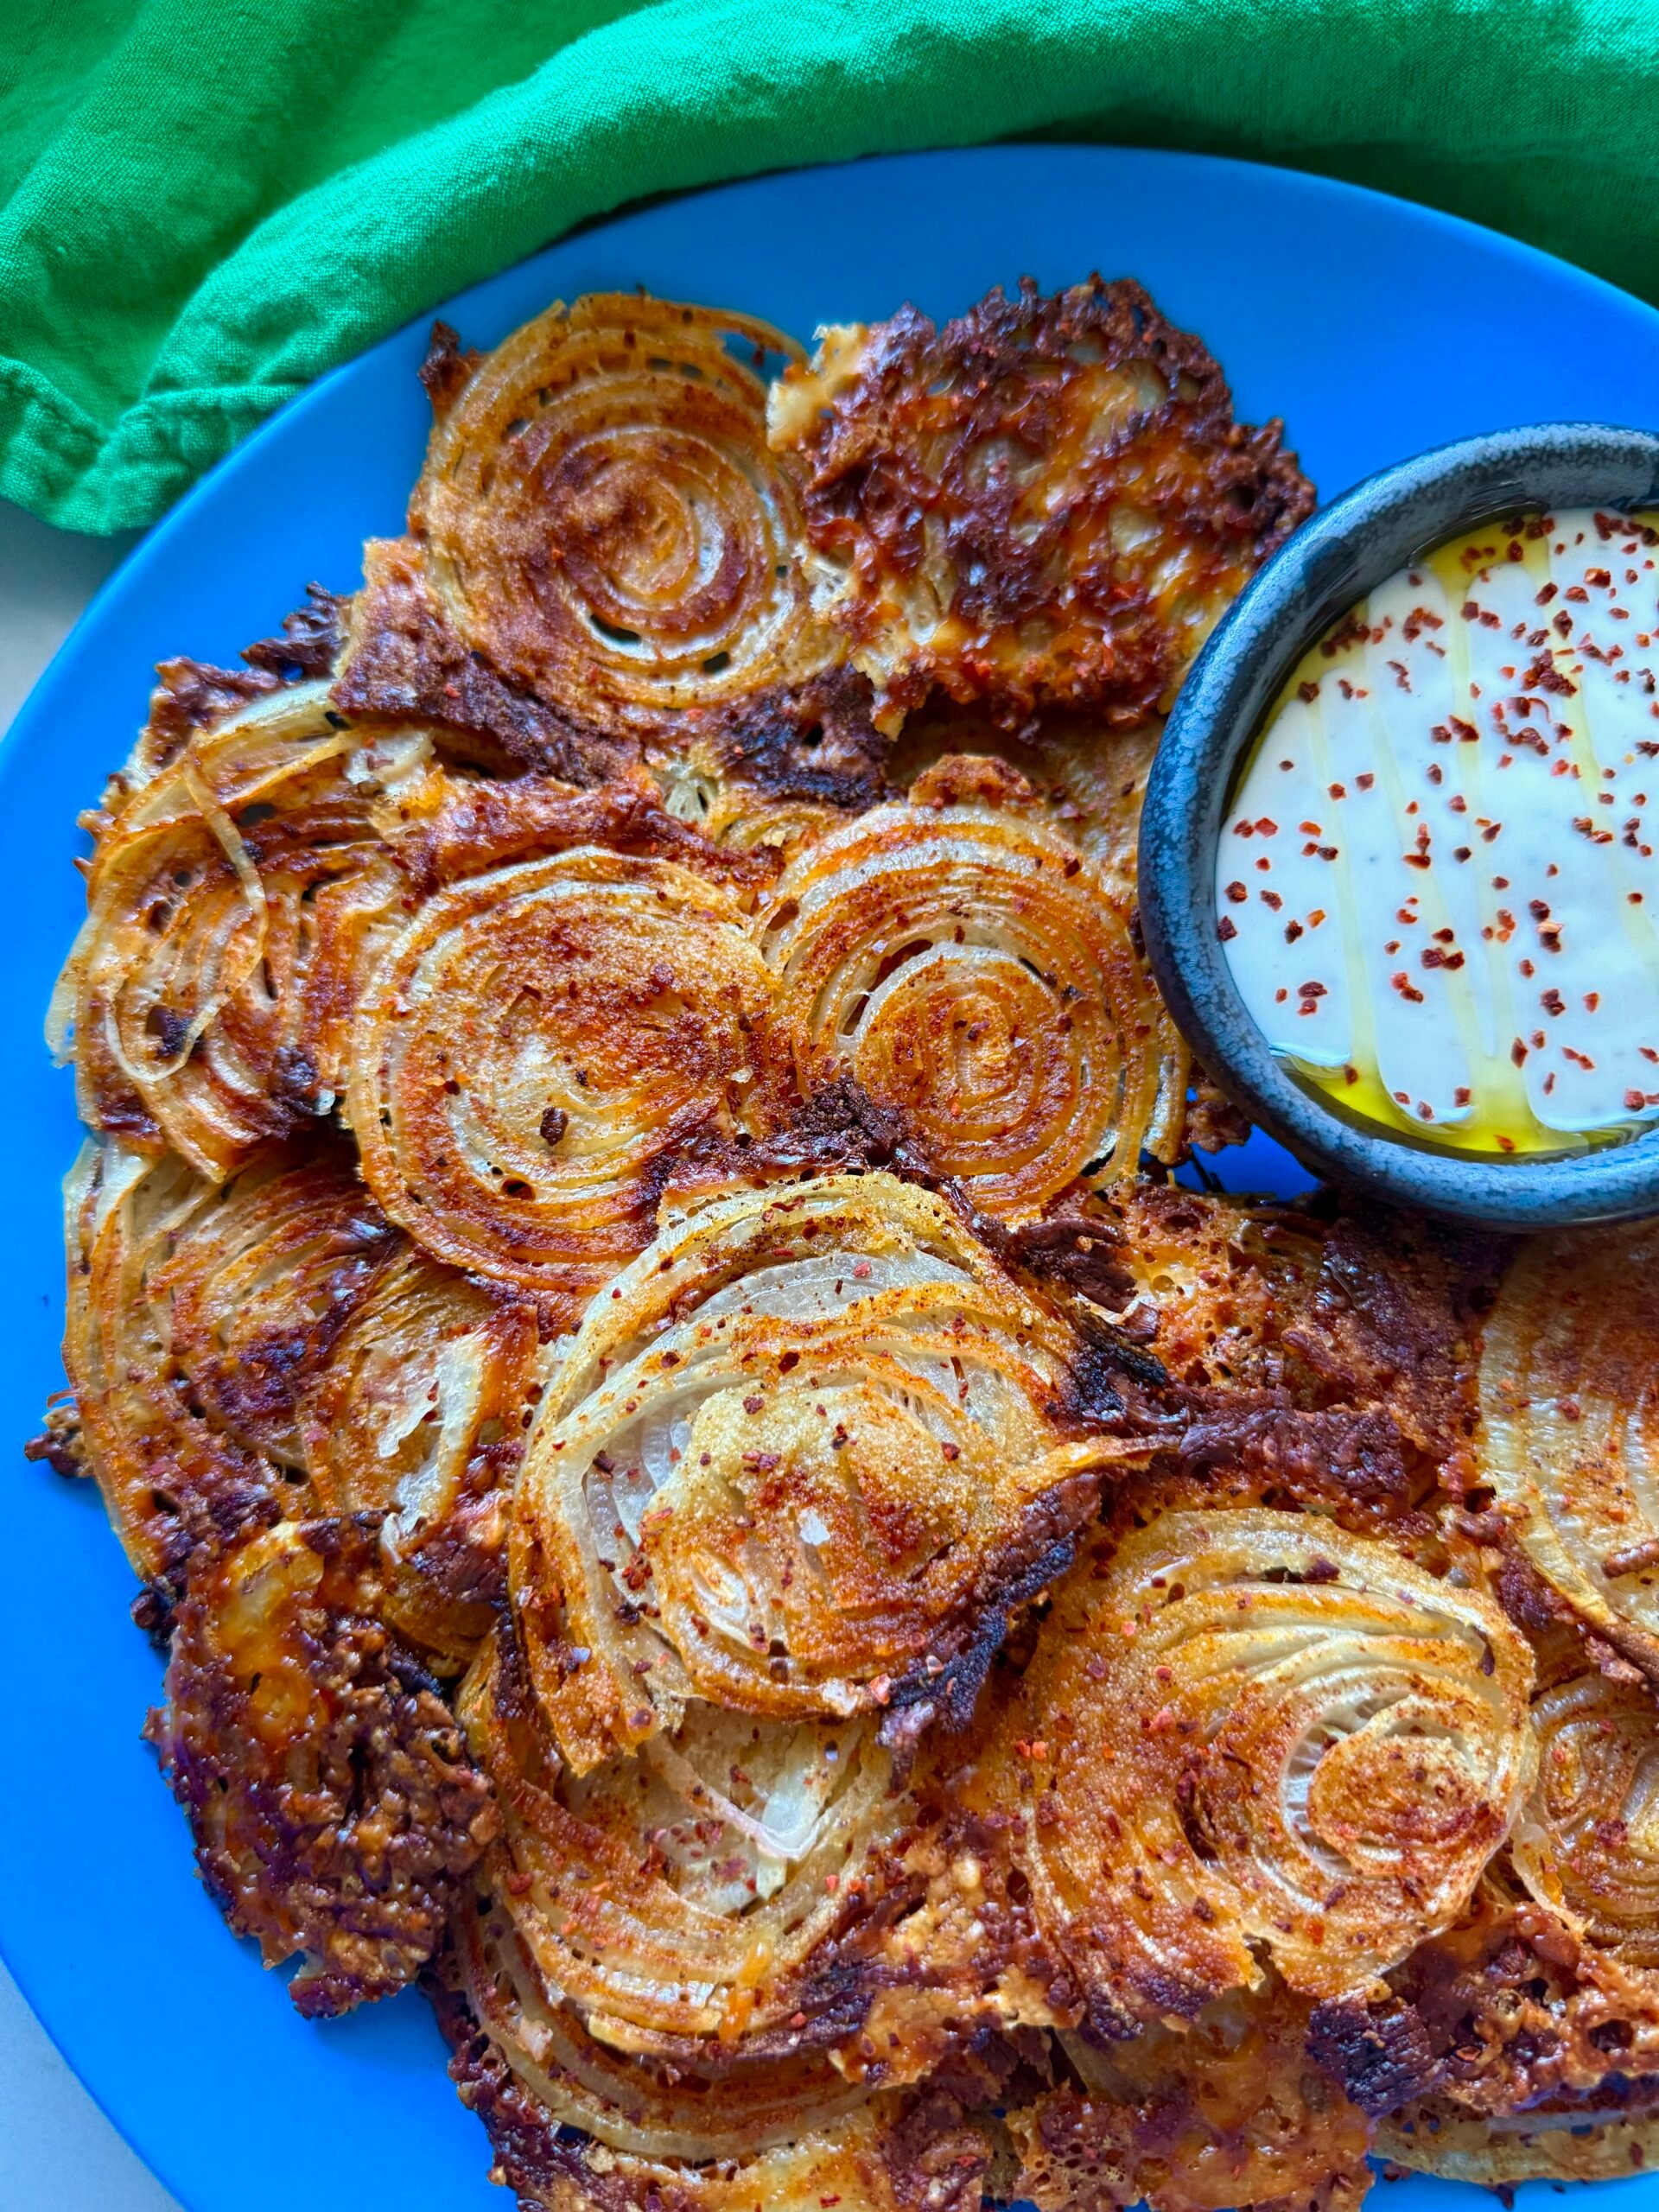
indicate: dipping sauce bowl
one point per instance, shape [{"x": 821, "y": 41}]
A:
[{"x": 1395, "y": 522}]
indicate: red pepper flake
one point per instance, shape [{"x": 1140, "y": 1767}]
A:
[
  {"x": 1518, "y": 1052},
  {"x": 1337, "y": 791},
  {"x": 1543, "y": 597},
  {"x": 1224, "y": 929},
  {"x": 1366, "y": 781},
  {"x": 1307, "y": 693},
  {"x": 1311, "y": 990},
  {"x": 1266, "y": 827},
  {"x": 1503, "y": 1143},
  {"x": 1592, "y": 1001},
  {"x": 1460, "y": 1096},
  {"x": 1238, "y": 893},
  {"x": 1407, "y": 989},
  {"x": 1551, "y": 1001},
  {"x": 1293, "y": 931},
  {"x": 1271, "y": 899}
]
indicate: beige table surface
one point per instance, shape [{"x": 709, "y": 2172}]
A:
[{"x": 57, "y": 2153}]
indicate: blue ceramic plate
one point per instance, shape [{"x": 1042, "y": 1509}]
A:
[{"x": 1373, "y": 328}]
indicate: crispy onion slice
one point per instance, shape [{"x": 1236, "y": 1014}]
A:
[
  {"x": 648, "y": 2108},
  {"x": 419, "y": 1417},
  {"x": 688, "y": 1901},
  {"x": 602, "y": 516},
  {"x": 327, "y": 1787},
  {"x": 537, "y": 1042},
  {"x": 1251, "y": 1729},
  {"x": 964, "y": 964},
  {"x": 259, "y": 1285},
  {"x": 1046, "y": 502},
  {"x": 233, "y": 906},
  {"x": 1587, "y": 1844},
  {"x": 1229, "y": 2110},
  {"x": 788, "y": 2134},
  {"x": 1567, "y": 2139},
  {"x": 1569, "y": 1438},
  {"x": 196, "y": 1315},
  {"x": 802, "y": 1460}
]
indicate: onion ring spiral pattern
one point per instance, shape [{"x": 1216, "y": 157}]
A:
[
  {"x": 965, "y": 965},
  {"x": 536, "y": 1041},
  {"x": 419, "y": 1415},
  {"x": 234, "y": 905},
  {"x": 1569, "y": 1436},
  {"x": 1251, "y": 1728},
  {"x": 197, "y": 1313},
  {"x": 676, "y": 1898},
  {"x": 603, "y": 519},
  {"x": 812, "y": 1439},
  {"x": 1587, "y": 1844}
]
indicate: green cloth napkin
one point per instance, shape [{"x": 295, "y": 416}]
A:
[{"x": 205, "y": 203}]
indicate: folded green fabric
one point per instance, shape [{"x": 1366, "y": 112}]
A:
[{"x": 205, "y": 203}]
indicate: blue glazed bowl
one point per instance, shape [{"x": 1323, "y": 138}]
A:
[{"x": 1346, "y": 551}]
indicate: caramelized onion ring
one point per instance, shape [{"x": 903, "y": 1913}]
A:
[
  {"x": 811, "y": 1438},
  {"x": 196, "y": 1316},
  {"x": 679, "y": 1896},
  {"x": 1569, "y": 1437},
  {"x": 602, "y": 517},
  {"x": 233, "y": 907},
  {"x": 1253, "y": 1729},
  {"x": 419, "y": 1416},
  {"x": 1567, "y": 2141},
  {"x": 965, "y": 965},
  {"x": 1587, "y": 1843},
  {"x": 536, "y": 1041}
]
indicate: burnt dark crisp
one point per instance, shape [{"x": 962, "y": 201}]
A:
[
  {"x": 333, "y": 1806},
  {"x": 1045, "y": 502},
  {"x": 400, "y": 659},
  {"x": 707, "y": 1495}
]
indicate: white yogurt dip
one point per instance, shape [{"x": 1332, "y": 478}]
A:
[{"x": 1436, "y": 882}]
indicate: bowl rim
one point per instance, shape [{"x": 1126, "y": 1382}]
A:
[{"x": 1342, "y": 552}]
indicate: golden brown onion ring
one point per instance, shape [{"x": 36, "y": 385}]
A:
[
  {"x": 1566, "y": 2140},
  {"x": 813, "y": 1439},
  {"x": 1569, "y": 1437},
  {"x": 419, "y": 1416},
  {"x": 233, "y": 906},
  {"x": 196, "y": 1316},
  {"x": 788, "y": 2134},
  {"x": 260, "y": 1284},
  {"x": 966, "y": 966},
  {"x": 682, "y": 1896},
  {"x": 602, "y": 518},
  {"x": 1587, "y": 1844},
  {"x": 1249, "y": 1729},
  {"x": 535, "y": 1045}
]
